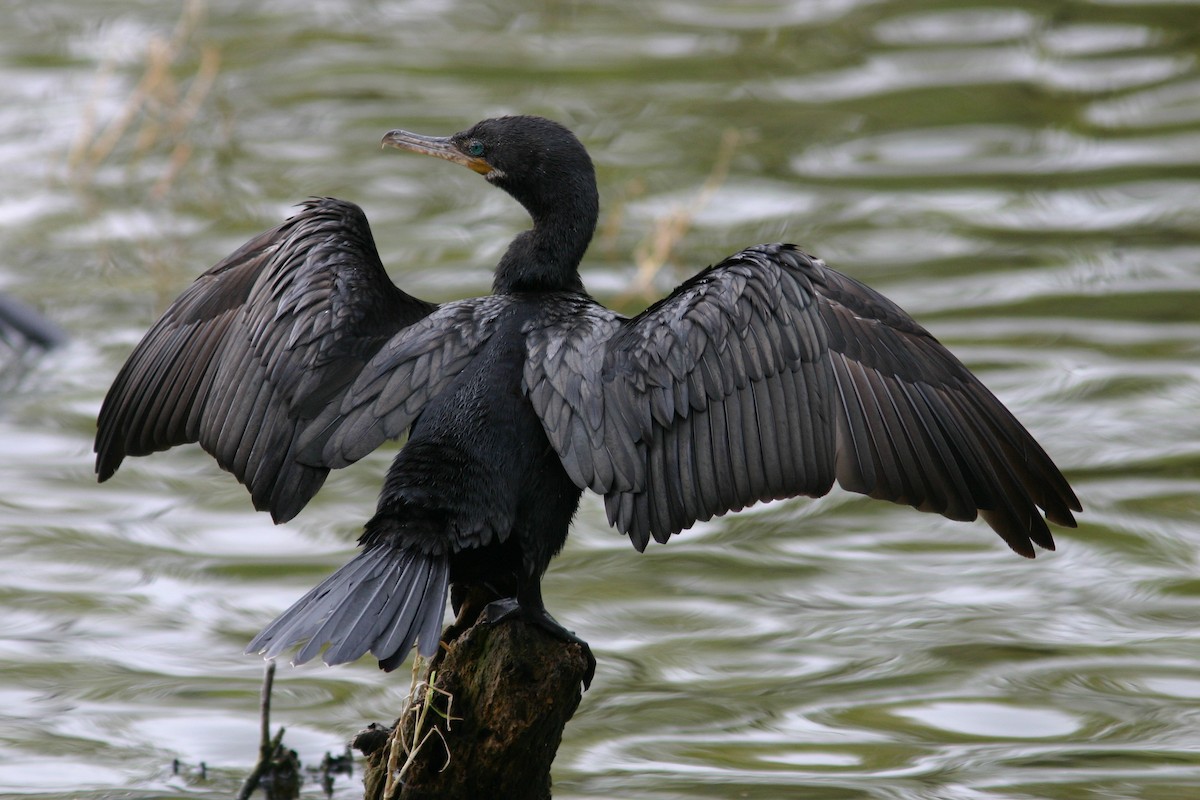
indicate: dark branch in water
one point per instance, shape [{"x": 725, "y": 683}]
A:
[{"x": 278, "y": 769}]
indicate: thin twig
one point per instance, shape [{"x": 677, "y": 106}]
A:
[
  {"x": 264, "y": 704},
  {"x": 267, "y": 746}
]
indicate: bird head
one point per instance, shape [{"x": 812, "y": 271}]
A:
[{"x": 537, "y": 161}]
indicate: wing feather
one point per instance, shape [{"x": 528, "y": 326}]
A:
[{"x": 959, "y": 451}]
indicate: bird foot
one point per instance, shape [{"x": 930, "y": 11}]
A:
[{"x": 510, "y": 608}]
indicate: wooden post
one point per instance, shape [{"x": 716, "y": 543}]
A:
[{"x": 488, "y": 726}]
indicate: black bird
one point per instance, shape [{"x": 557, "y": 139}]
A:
[{"x": 767, "y": 376}]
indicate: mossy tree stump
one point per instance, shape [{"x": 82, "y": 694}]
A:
[{"x": 499, "y": 700}]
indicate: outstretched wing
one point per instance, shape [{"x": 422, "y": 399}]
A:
[
  {"x": 769, "y": 376},
  {"x": 255, "y": 349}
]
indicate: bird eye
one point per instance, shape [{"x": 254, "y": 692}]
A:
[{"x": 475, "y": 148}]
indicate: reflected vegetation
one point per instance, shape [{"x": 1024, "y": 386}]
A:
[{"x": 1023, "y": 179}]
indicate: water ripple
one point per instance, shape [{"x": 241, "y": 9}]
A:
[{"x": 1020, "y": 178}]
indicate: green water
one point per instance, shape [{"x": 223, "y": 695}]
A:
[{"x": 1023, "y": 178}]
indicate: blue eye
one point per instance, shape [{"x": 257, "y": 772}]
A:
[{"x": 475, "y": 148}]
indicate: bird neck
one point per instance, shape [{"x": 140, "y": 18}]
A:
[{"x": 546, "y": 258}]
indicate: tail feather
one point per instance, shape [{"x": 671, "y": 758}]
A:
[
  {"x": 366, "y": 611},
  {"x": 400, "y": 624},
  {"x": 300, "y": 622},
  {"x": 352, "y": 613},
  {"x": 425, "y": 626},
  {"x": 383, "y": 601}
]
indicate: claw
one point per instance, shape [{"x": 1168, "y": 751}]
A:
[{"x": 510, "y": 607}]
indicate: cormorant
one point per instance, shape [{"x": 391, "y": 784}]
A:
[{"x": 768, "y": 375}]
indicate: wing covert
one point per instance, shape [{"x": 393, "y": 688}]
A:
[
  {"x": 564, "y": 381},
  {"x": 407, "y": 371},
  {"x": 727, "y": 382},
  {"x": 706, "y": 402}
]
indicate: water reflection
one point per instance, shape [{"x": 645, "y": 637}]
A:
[{"x": 1020, "y": 179}]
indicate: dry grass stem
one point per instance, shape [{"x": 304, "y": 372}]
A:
[
  {"x": 164, "y": 109},
  {"x": 656, "y": 250},
  {"x": 405, "y": 744}
]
